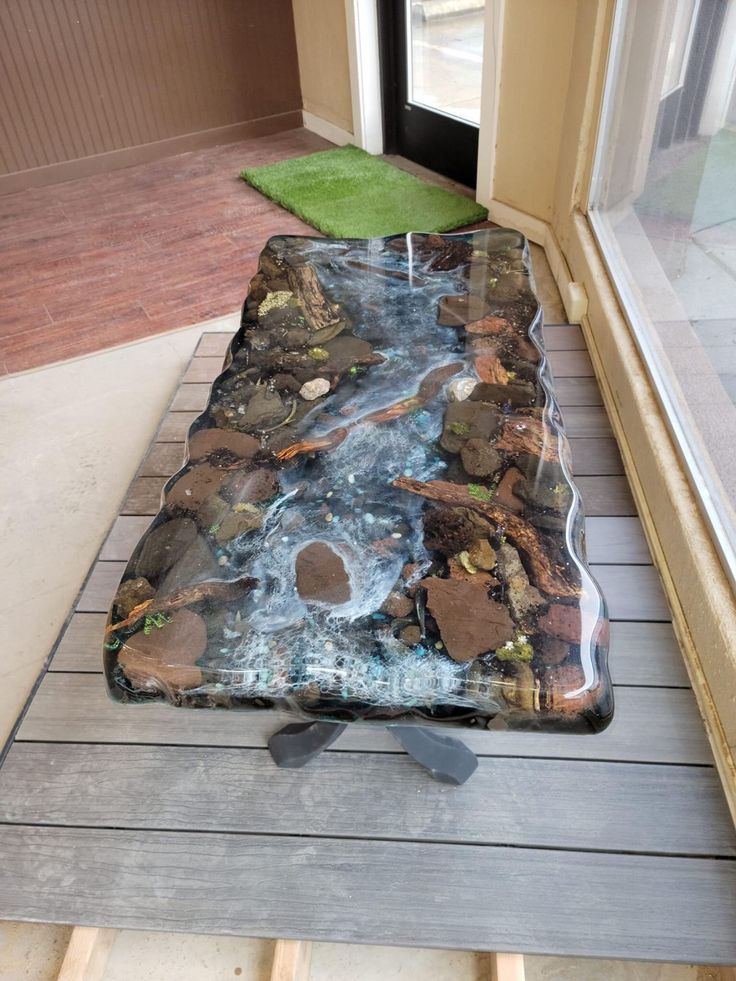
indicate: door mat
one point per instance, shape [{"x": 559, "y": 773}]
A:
[{"x": 347, "y": 193}]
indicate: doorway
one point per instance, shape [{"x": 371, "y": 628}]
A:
[{"x": 431, "y": 66}]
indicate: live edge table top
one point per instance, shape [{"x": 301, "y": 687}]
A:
[{"x": 152, "y": 817}]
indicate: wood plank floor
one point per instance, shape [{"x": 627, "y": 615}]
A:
[
  {"x": 113, "y": 258},
  {"x": 616, "y": 845}
]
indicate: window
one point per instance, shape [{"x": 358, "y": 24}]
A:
[{"x": 663, "y": 206}]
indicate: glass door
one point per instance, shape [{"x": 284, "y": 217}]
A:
[{"x": 431, "y": 64}]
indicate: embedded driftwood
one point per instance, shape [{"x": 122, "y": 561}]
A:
[
  {"x": 549, "y": 576},
  {"x": 429, "y": 387},
  {"x": 525, "y": 434},
  {"x": 211, "y": 589},
  {"x": 319, "y": 311}
]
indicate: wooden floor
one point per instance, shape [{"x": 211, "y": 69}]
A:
[
  {"x": 615, "y": 845},
  {"x": 104, "y": 260}
]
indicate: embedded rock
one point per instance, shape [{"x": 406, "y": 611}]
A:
[
  {"x": 516, "y": 394},
  {"x": 522, "y": 596},
  {"x": 479, "y": 458},
  {"x": 457, "y": 311},
  {"x": 251, "y": 486},
  {"x": 194, "y": 486},
  {"x": 321, "y": 575},
  {"x": 564, "y": 622},
  {"x": 163, "y": 546},
  {"x": 314, "y": 389},
  {"x": 410, "y": 635},
  {"x": 507, "y": 490},
  {"x": 132, "y": 593},
  {"x": 397, "y": 605},
  {"x": 447, "y": 530},
  {"x": 206, "y": 441},
  {"x": 470, "y": 623},
  {"x": 165, "y": 657},
  {"x": 468, "y": 420},
  {"x": 461, "y": 388},
  {"x": 197, "y": 563},
  {"x": 265, "y": 410},
  {"x": 482, "y": 555}
]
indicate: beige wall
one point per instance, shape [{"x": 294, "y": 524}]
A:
[
  {"x": 322, "y": 47},
  {"x": 535, "y": 68}
]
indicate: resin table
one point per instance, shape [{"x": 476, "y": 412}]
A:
[
  {"x": 377, "y": 519},
  {"x": 618, "y": 844}
]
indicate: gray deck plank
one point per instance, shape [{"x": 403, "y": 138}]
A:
[
  {"x": 203, "y": 789},
  {"x": 567, "y": 364},
  {"x": 602, "y": 495},
  {"x": 202, "y": 370},
  {"x": 557, "y": 337},
  {"x": 633, "y": 592},
  {"x": 651, "y": 725},
  {"x": 568, "y": 392},
  {"x": 476, "y": 897},
  {"x": 641, "y": 653},
  {"x": 162, "y": 460},
  {"x": 617, "y": 540},
  {"x": 175, "y": 426}
]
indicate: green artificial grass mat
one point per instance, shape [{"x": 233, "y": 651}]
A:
[{"x": 347, "y": 193}]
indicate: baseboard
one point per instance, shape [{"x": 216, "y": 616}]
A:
[
  {"x": 326, "y": 129},
  {"x": 573, "y": 295},
  {"x": 69, "y": 170}
]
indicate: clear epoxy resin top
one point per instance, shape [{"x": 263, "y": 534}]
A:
[{"x": 377, "y": 517}]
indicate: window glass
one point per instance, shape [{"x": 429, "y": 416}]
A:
[{"x": 663, "y": 205}]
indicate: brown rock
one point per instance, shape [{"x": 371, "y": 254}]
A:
[
  {"x": 346, "y": 351},
  {"x": 321, "y": 575},
  {"x": 197, "y": 563},
  {"x": 522, "y": 596},
  {"x": 479, "y": 458},
  {"x": 506, "y": 491},
  {"x": 251, "y": 486},
  {"x": 265, "y": 409},
  {"x": 397, "y": 605},
  {"x": 482, "y": 555},
  {"x": 562, "y": 621},
  {"x": 457, "y": 311},
  {"x": 207, "y": 441},
  {"x": 480, "y": 578},
  {"x": 517, "y": 393},
  {"x": 410, "y": 636},
  {"x": 164, "y": 659},
  {"x": 447, "y": 530},
  {"x": 130, "y": 594},
  {"x": 490, "y": 370},
  {"x": 489, "y": 325},
  {"x": 558, "y": 686},
  {"x": 194, "y": 486},
  {"x": 470, "y": 623},
  {"x": 238, "y": 523},
  {"x": 468, "y": 420},
  {"x": 162, "y": 546},
  {"x": 552, "y": 651}
]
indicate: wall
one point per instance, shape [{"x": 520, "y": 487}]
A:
[
  {"x": 93, "y": 80},
  {"x": 536, "y": 54},
  {"x": 324, "y": 72}
]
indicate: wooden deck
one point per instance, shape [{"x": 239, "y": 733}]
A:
[{"x": 616, "y": 845}]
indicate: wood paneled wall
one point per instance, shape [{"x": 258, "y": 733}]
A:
[{"x": 91, "y": 84}]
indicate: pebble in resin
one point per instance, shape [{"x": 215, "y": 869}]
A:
[{"x": 314, "y": 389}]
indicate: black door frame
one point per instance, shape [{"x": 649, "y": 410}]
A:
[{"x": 445, "y": 145}]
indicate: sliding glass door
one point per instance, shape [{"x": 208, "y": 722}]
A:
[{"x": 663, "y": 206}]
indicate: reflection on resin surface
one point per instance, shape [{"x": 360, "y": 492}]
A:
[{"x": 377, "y": 518}]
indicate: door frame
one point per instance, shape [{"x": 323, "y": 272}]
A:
[{"x": 361, "y": 17}]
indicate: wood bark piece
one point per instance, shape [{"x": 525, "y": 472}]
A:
[
  {"x": 525, "y": 434},
  {"x": 319, "y": 311},
  {"x": 214, "y": 589},
  {"x": 548, "y": 575}
]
